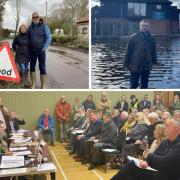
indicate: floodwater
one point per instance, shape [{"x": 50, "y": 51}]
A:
[{"x": 108, "y": 71}]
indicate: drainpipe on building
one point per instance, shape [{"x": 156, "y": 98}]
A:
[
  {"x": 121, "y": 19},
  {"x": 95, "y": 27}
]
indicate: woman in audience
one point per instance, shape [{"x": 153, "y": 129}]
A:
[
  {"x": 165, "y": 116},
  {"x": 138, "y": 132},
  {"x": 134, "y": 103},
  {"x": 159, "y": 137},
  {"x": 130, "y": 123}
]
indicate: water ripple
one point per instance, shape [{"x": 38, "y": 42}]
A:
[{"x": 108, "y": 72}]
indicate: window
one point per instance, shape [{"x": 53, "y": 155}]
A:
[
  {"x": 158, "y": 7},
  {"x": 136, "y": 9},
  {"x": 84, "y": 30}
]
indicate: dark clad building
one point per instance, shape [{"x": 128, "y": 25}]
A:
[{"x": 121, "y": 17}]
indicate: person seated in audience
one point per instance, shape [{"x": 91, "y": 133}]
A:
[
  {"x": 137, "y": 133},
  {"x": 93, "y": 130},
  {"x": 89, "y": 103},
  {"x": 165, "y": 116},
  {"x": 139, "y": 130},
  {"x": 46, "y": 125},
  {"x": 104, "y": 104},
  {"x": 154, "y": 120},
  {"x": 144, "y": 104},
  {"x": 145, "y": 115},
  {"x": 107, "y": 138},
  {"x": 159, "y": 113},
  {"x": 130, "y": 123},
  {"x": 116, "y": 117},
  {"x": 176, "y": 114},
  {"x": 157, "y": 103},
  {"x": 175, "y": 105},
  {"x": 123, "y": 119},
  {"x": 75, "y": 107},
  {"x": 134, "y": 103},
  {"x": 81, "y": 124},
  {"x": 165, "y": 159},
  {"x": 3, "y": 138},
  {"x": 152, "y": 108},
  {"x": 4, "y": 116},
  {"x": 158, "y": 138},
  {"x": 122, "y": 105},
  {"x": 15, "y": 121}
]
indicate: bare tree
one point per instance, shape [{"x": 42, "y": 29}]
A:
[
  {"x": 73, "y": 6},
  {"x": 18, "y": 6},
  {"x": 65, "y": 15},
  {"x": 2, "y": 9}
]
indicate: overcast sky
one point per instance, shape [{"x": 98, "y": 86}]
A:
[{"x": 30, "y": 6}]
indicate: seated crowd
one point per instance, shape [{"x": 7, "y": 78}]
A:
[{"x": 152, "y": 133}]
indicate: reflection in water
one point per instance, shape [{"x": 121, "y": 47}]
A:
[{"x": 107, "y": 70}]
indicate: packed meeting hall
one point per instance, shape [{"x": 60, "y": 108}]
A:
[{"x": 77, "y": 135}]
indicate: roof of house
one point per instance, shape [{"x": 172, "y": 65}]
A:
[{"x": 84, "y": 19}]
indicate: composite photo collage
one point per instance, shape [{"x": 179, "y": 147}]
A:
[{"x": 90, "y": 90}]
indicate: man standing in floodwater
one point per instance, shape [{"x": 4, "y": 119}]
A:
[{"x": 140, "y": 56}]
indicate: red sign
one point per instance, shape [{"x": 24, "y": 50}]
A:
[{"x": 8, "y": 69}]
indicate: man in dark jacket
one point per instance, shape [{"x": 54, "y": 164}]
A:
[
  {"x": 15, "y": 121},
  {"x": 89, "y": 103},
  {"x": 144, "y": 104},
  {"x": 39, "y": 39},
  {"x": 107, "y": 138},
  {"x": 140, "y": 56},
  {"x": 93, "y": 130},
  {"x": 165, "y": 159},
  {"x": 122, "y": 105}
]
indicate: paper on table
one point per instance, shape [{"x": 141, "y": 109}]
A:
[
  {"x": 22, "y": 130},
  {"x": 128, "y": 138},
  {"x": 11, "y": 162},
  {"x": 22, "y": 140},
  {"x": 136, "y": 161},
  {"x": 18, "y": 149},
  {"x": 22, "y": 153},
  {"x": 109, "y": 150},
  {"x": 46, "y": 167},
  {"x": 79, "y": 131},
  {"x": 15, "y": 171}
]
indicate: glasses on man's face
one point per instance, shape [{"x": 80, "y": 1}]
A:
[{"x": 36, "y": 17}]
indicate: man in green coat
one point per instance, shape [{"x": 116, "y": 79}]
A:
[{"x": 140, "y": 56}]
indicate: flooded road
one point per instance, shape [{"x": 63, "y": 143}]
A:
[{"x": 108, "y": 71}]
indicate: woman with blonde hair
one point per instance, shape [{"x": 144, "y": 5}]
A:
[
  {"x": 159, "y": 137},
  {"x": 130, "y": 123}
]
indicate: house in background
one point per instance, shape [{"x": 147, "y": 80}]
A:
[
  {"x": 83, "y": 29},
  {"x": 115, "y": 18}
]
